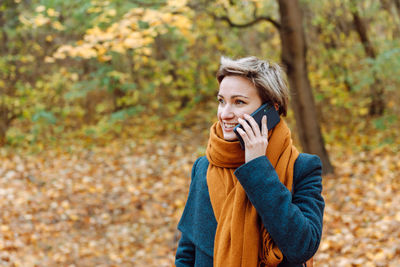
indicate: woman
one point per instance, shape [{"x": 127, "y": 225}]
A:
[{"x": 261, "y": 206}]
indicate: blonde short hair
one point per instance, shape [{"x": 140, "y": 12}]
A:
[{"x": 267, "y": 77}]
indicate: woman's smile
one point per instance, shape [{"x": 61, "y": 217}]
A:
[{"x": 229, "y": 126}]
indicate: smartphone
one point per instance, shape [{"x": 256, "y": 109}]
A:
[{"x": 265, "y": 109}]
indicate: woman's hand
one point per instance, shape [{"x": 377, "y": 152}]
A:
[{"x": 256, "y": 141}]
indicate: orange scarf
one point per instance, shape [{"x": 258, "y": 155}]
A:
[{"x": 241, "y": 239}]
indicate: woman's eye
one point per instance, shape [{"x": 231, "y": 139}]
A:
[
  {"x": 220, "y": 100},
  {"x": 239, "y": 102}
]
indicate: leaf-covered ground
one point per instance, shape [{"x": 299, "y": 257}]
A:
[{"x": 119, "y": 206}]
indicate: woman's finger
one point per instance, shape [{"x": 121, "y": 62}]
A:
[
  {"x": 243, "y": 135},
  {"x": 264, "y": 127},
  {"x": 256, "y": 129},
  {"x": 247, "y": 128}
]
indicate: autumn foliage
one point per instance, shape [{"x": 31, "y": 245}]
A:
[
  {"x": 119, "y": 206},
  {"x": 105, "y": 105}
]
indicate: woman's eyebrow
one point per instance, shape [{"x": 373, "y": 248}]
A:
[{"x": 234, "y": 96}]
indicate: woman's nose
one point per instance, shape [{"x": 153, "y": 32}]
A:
[{"x": 227, "y": 112}]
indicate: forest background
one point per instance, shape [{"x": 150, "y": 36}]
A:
[{"x": 105, "y": 105}]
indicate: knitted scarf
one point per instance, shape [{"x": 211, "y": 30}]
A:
[{"x": 241, "y": 239}]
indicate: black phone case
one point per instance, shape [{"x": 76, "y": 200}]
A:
[{"x": 265, "y": 109}]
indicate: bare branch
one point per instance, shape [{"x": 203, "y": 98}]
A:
[
  {"x": 248, "y": 24},
  {"x": 201, "y": 6}
]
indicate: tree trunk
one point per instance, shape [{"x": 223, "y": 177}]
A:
[
  {"x": 3, "y": 127},
  {"x": 294, "y": 58},
  {"x": 5, "y": 121},
  {"x": 397, "y": 5},
  {"x": 377, "y": 105}
]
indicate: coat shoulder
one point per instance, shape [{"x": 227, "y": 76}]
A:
[
  {"x": 199, "y": 170},
  {"x": 307, "y": 163}
]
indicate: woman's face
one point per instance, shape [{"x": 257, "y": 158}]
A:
[{"x": 237, "y": 96}]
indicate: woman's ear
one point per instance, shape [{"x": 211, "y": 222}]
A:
[{"x": 276, "y": 106}]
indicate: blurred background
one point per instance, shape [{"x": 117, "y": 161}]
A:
[{"x": 105, "y": 105}]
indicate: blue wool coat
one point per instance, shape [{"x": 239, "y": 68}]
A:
[{"x": 293, "y": 219}]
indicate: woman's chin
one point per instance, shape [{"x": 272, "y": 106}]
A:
[{"x": 230, "y": 136}]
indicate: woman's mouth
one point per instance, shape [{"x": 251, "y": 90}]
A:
[{"x": 229, "y": 126}]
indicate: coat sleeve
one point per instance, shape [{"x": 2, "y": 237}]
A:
[
  {"x": 294, "y": 221},
  {"x": 185, "y": 253}
]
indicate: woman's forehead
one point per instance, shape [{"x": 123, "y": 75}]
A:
[{"x": 236, "y": 85}]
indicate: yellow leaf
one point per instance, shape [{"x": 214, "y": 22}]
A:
[
  {"x": 167, "y": 79},
  {"x": 48, "y": 59},
  {"x": 73, "y": 217},
  {"x": 40, "y": 20},
  {"x": 58, "y": 26},
  {"x": 4, "y": 228},
  {"x": 92, "y": 189},
  {"x": 112, "y": 12},
  {"x": 397, "y": 217},
  {"x": 177, "y": 3},
  {"x": 40, "y": 9},
  {"x": 363, "y": 111},
  {"x": 52, "y": 13}
]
